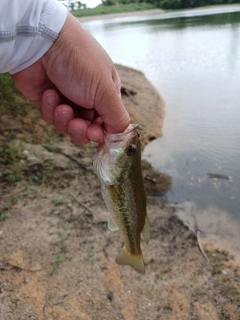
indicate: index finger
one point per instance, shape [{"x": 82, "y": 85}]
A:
[{"x": 109, "y": 105}]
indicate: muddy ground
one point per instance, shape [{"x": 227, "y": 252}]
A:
[{"x": 56, "y": 253}]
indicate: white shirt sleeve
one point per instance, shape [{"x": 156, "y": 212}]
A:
[{"x": 28, "y": 28}]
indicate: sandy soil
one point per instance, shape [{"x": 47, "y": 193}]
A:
[{"x": 56, "y": 253}]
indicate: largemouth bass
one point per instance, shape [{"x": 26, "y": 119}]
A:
[{"x": 117, "y": 164}]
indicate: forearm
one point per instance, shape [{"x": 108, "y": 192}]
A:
[{"x": 28, "y": 28}]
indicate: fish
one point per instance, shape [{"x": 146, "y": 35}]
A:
[
  {"x": 117, "y": 163},
  {"x": 218, "y": 176}
]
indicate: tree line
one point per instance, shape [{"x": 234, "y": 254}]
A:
[{"x": 171, "y": 4}]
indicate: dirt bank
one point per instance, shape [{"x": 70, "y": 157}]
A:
[{"x": 56, "y": 253}]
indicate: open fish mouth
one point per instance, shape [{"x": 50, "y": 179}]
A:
[{"x": 129, "y": 133}]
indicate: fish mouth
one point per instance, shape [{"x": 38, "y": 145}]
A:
[{"x": 130, "y": 132}]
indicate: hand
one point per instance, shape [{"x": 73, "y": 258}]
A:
[{"x": 76, "y": 86}]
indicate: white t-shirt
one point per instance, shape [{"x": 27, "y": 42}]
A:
[{"x": 28, "y": 28}]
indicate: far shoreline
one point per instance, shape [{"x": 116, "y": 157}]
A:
[
  {"x": 109, "y": 16},
  {"x": 120, "y": 15}
]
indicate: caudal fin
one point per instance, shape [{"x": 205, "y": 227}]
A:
[{"x": 135, "y": 261}]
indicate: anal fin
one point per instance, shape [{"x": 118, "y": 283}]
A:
[
  {"x": 146, "y": 230},
  {"x": 112, "y": 224}
]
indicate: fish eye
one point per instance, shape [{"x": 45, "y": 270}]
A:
[{"x": 131, "y": 150}]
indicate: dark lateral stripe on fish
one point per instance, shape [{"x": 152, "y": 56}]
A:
[{"x": 134, "y": 244}]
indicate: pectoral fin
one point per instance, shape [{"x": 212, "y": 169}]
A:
[
  {"x": 112, "y": 224},
  {"x": 146, "y": 230},
  {"x": 135, "y": 261}
]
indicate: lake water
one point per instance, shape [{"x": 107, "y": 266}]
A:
[{"x": 193, "y": 58}]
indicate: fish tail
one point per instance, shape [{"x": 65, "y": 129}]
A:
[{"x": 135, "y": 261}]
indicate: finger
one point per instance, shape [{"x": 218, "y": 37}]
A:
[
  {"x": 110, "y": 107},
  {"x": 62, "y": 115},
  {"x": 50, "y": 100},
  {"x": 116, "y": 80},
  {"x": 77, "y": 129},
  {"x": 95, "y": 132},
  {"x": 86, "y": 114}
]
